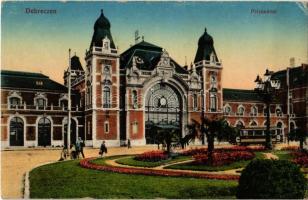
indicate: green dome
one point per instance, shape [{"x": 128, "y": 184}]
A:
[
  {"x": 101, "y": 30},
  {"x": 205, "y": 48}
]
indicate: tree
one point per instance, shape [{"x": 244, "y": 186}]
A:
[
  {"x": 167, "y": 135},
  {"x": 298, "y": 135},
  {"x": 211, "y": 128}
]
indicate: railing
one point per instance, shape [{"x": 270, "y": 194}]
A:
[{"x": 38, "y": 108}]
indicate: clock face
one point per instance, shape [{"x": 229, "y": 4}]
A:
[{"x": 163, "y": 101}]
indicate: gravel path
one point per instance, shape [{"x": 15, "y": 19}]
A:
[{"x": 14, "y": 164}]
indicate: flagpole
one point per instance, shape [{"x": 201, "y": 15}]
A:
[{"x": 69, "y": 103}]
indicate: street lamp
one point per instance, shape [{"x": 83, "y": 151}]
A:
[{"x": 266, "y": 89}]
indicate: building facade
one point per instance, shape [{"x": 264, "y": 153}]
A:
[{"x": 122, "y": 96}]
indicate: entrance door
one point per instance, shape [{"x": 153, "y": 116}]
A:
[
  {"x": 44, "y": 132},
  {"x": 163, "y": 108},
  {"x": 73, "y": 135},
  {"x": 16, "y": 132}
]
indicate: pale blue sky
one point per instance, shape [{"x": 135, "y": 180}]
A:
[{"x": 247, "y": 43}]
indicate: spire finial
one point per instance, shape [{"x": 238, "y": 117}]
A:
[
  {"x": 205, "y": 29},
  {"x": 102, "y": 11}
]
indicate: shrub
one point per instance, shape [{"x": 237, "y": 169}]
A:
[
  {"x": 271, "y": 179},
  {"x": 152, "y": 156},
  {"x": 224, "y": 158}
]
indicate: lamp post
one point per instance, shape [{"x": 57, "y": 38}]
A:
[
  {"x": 266, "y": 89},
  {"x": 69, "y": 104}
]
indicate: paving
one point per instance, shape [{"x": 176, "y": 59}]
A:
[{"x": 15, "y": 163}]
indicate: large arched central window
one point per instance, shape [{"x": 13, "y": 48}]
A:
[{"x": 163, "y": 108}]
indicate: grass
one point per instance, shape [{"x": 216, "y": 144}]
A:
[
  {"x": 132, "y": 162},
  {"x": 68, "y": 180},
  {"x": 234, "y": 165},
  {"x": 283, "y": 155}
]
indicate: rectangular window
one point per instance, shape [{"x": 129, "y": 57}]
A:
[
  {"x": 195, "y": 101},
  {"x": 89, "y": 128},
  {"x": 106, "y": 127},
  {"x": 135, "y": 127}
]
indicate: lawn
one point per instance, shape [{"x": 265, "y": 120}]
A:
[
  {"x": 234, "y": 165},
  {"x": 132, "y": 162},
  {"x": 283, "y": 155},
  {"x": 68, "y": 180}
]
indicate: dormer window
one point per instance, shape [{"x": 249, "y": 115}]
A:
[
  {"x": 40, "y": 103},
  {"x": 14, "y": 102},
  {"x": 106, "y": 43}
]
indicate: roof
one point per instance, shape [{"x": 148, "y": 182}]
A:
[
  {"x": 148, "y": 55},
  {"x": 75, "y": 63},
  {"x": 205, "y": 48},
  {"x": 29, "y": 80},
  {"x": 298, "y": 76},
  {"x": 240, "y": 95},
  {"x": 102, "y": 30}
]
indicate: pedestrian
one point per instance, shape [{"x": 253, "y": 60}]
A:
[
  {"x": 102, "y": 149},
  {"x": 73, "y": 151},
  {"x": 128, "y": 144},
  {"x": 80, "y": 144}
]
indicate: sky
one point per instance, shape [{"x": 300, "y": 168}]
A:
[{"x": 246, "y": 43}]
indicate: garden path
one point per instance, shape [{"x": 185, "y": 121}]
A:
[{"x": 270, "y": 156}]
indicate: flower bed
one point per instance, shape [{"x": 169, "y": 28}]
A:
[
  {"x": 224, "y": 158},
  {"x": 152, "y": 156},
  {"x": 290, "y": 148},
  {"x": 300, "y": 158},
  {"x": 86, "y": 163},
  {"x": 196, "y": 151}
]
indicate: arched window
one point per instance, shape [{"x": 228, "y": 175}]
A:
[
  {"x": 44, "y": 132},
  {"x": 213, "y": 102},
  {"x": 239, "y": 124},
  {"x": 16, "y": 132},
  {"x": 278, "y": 112},
  {"x": 195, "y": 101},
  {"x": 135, "y": 99},
  {"x": 227, "y": 110},
  {"x": 106, "y": 97},
  {"x": 279, "y": 128},
  {"x": 14, "y": 102},
  {"x": 240, "y": 110},
  {"x": 254, "y": 111}
]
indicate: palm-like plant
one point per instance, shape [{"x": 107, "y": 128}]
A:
[{"x": 211, "y": 128}]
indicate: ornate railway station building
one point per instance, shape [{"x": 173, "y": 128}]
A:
[{"x": 121, "y": 96}]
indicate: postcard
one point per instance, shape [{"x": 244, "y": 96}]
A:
[{"x": 154, "y": 99}]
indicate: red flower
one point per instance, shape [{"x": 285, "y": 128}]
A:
[
  {"x": 152, "y": 156},
  {"x": 86, "y": 163}
]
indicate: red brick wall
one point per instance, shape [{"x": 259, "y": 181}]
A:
[
  {"x": 101, "y": 118},
  {"x": 138, "y": 117}
]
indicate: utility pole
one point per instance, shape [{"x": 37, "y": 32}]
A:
[{"x": 69, "y": 103}]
